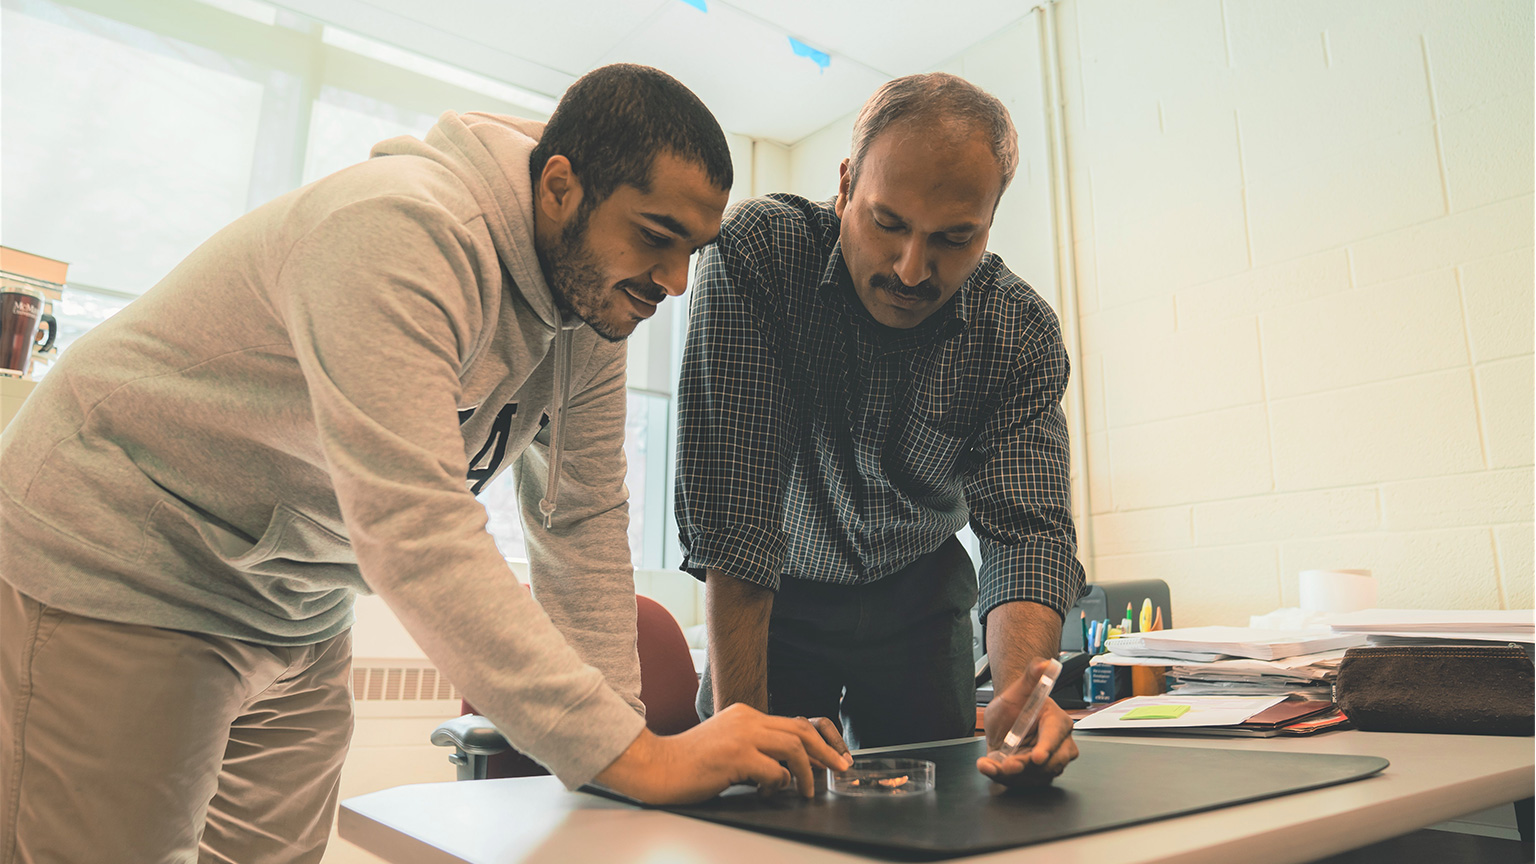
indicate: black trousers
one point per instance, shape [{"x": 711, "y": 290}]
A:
[{"x": 890, "y": 660}]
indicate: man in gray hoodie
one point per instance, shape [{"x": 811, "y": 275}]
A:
[{"x": 302, "y": 410}]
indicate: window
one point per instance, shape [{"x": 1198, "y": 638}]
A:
[
  {"x": 646, "y": 438},
  {"x": 124, "y": 148},
  {"x": 135, "y": 129}
]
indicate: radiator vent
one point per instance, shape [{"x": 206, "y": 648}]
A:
[{"x": 400, "y": 683}]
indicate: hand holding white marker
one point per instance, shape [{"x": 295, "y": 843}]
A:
[{"x": 1029, "y": 715}]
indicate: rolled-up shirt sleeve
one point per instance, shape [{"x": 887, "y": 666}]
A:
[
  {"x": 1020, "y": 490},
  {"x": 732, "y": 413}
]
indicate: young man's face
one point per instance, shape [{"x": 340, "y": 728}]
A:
[
  {"x": 614, "y": 264},
  {"x": 915, "y": 226}
]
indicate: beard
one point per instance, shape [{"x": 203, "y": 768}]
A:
[
  {"x": 575, "y": 277},
  {"x": 925, "y": 290}
]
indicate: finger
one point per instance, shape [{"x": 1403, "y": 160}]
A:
[
  {"x": 1016, "y": 764},
  {"x": 829, "y": 733},
  {"x": 1004, "y": 707},
  {"x": 1053, "y": 731},
  {"x": 812, "y": 743},
  {"x": 1012, "y": 771},
  {"x": 800, "y": 766},
  {"x": 786, "y": 747},
  {"x": 1061, "y": 758},
  {"x": 767, "y": 773},
  {"x": 1027, "y": 774}
]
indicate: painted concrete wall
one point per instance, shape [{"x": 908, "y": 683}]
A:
[
  {"x": 1305, "y": 239},
  {"x": 1303, "y": 246}
]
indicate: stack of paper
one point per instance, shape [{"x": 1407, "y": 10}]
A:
[
  {"x": 1385, "y": 626},
  {"x": 1309, "y": 675},
  {"x": 1238, "y": 661},
  {"x": 1133, "y": 651},
  {"x": 1235, "y": 642}
]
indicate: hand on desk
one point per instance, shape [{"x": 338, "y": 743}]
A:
[
  {"x": 738, "y": 745},
  {"x": 1052, "y": 745}
]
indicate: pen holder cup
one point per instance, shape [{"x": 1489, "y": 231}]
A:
[{"x": 1148, "y": 680}]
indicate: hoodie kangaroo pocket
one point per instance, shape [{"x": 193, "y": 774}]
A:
[
  {"x": 294, "y": 544},
  {"x": 294, "y": 562}
]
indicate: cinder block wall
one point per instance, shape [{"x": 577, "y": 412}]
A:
[
  {"x": 1304, "y": 238},
  {"x": 1304, "y": 281}
]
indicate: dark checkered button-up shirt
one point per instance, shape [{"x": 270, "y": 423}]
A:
[{"x": 817, "y": 444}]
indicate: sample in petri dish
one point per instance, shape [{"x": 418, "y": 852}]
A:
[{"x": 871, "y": 777}]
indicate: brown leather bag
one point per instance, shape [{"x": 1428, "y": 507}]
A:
[{"x": 1456, "y": 689}]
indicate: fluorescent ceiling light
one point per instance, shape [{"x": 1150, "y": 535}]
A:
[
  {"x": 261, "y": 13},
  {"x": 447, "y": 73}
]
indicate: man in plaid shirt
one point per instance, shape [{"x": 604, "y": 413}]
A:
[{"x": 861, "y": 380}]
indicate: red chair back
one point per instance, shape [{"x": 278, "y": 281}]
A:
[{"x": 668, "y": 685}]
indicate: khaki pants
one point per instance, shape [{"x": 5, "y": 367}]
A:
[{"x": 120, "y": 742}]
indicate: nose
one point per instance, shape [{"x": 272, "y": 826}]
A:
[
  {"x": 912, "y": 262},
  {"x": 672, "y": 274}
]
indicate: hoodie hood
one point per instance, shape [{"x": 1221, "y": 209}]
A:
[{"x": 489, "y": 154}]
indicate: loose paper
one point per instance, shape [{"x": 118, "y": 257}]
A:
[{"x": 1203, "y": 711}]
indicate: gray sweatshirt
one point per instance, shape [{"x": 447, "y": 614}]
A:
[{"x": 298, "y": 412}]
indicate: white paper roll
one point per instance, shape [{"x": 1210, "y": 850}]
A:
[{"x": 1332, "y": 591}]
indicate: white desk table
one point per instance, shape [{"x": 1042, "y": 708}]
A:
[{"x": 1432, "y": 778}]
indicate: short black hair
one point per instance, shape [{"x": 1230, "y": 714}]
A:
[{"x": 614, "y": 120}]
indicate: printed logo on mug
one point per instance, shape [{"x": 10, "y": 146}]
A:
[{"x": 23, "y": 325}]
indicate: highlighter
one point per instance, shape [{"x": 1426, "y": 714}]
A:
[{"x": 1029, "y": 715}]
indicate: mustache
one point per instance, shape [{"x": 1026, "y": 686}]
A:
[
  {"x": 924, "y": 290},
  {"x": 648, "y": 290}
]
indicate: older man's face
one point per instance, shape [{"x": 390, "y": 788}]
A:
[{"x": 915, "y": 226}]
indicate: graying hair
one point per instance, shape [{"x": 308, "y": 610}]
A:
[{"x": 938, "y": 97}]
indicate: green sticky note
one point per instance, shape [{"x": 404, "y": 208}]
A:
[{"x": 1156, "y": 712}]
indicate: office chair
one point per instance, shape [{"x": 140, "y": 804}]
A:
[{"x": 668, "y": 685}]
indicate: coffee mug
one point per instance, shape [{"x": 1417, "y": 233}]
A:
[{"x": 21, "y": 313}]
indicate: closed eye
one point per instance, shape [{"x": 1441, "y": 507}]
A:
[{"x": 660, "y": 241}]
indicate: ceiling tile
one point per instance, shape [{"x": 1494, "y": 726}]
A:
[
  {"x": 736, "y": 56},
  {"x": 569, "y": 37},
  {"x": 746, "y": 71},
  {"x": 439, "y": 41},
  {"x": 897, "y": 37}
]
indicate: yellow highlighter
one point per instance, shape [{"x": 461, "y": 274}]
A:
[{"x": 1146, "y": 615}]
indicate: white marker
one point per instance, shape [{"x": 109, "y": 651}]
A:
[{"x": 1029, "y": 714}]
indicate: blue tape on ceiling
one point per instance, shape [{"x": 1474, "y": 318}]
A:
[
  {"x": 700, "y": 5},
  {"x": 820, "y": 58}
]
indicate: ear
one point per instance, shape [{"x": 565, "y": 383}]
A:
[
  {"x": 559, "y": 191},
  {"x": 844, "y": 189}
]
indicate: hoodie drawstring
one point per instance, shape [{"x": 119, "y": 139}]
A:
[{"x": 557, "y": 422}]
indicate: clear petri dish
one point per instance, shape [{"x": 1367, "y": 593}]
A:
[{"x": 877, "y": 777}]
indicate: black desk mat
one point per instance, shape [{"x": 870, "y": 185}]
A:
[{"x": 1111, "y": 785}]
